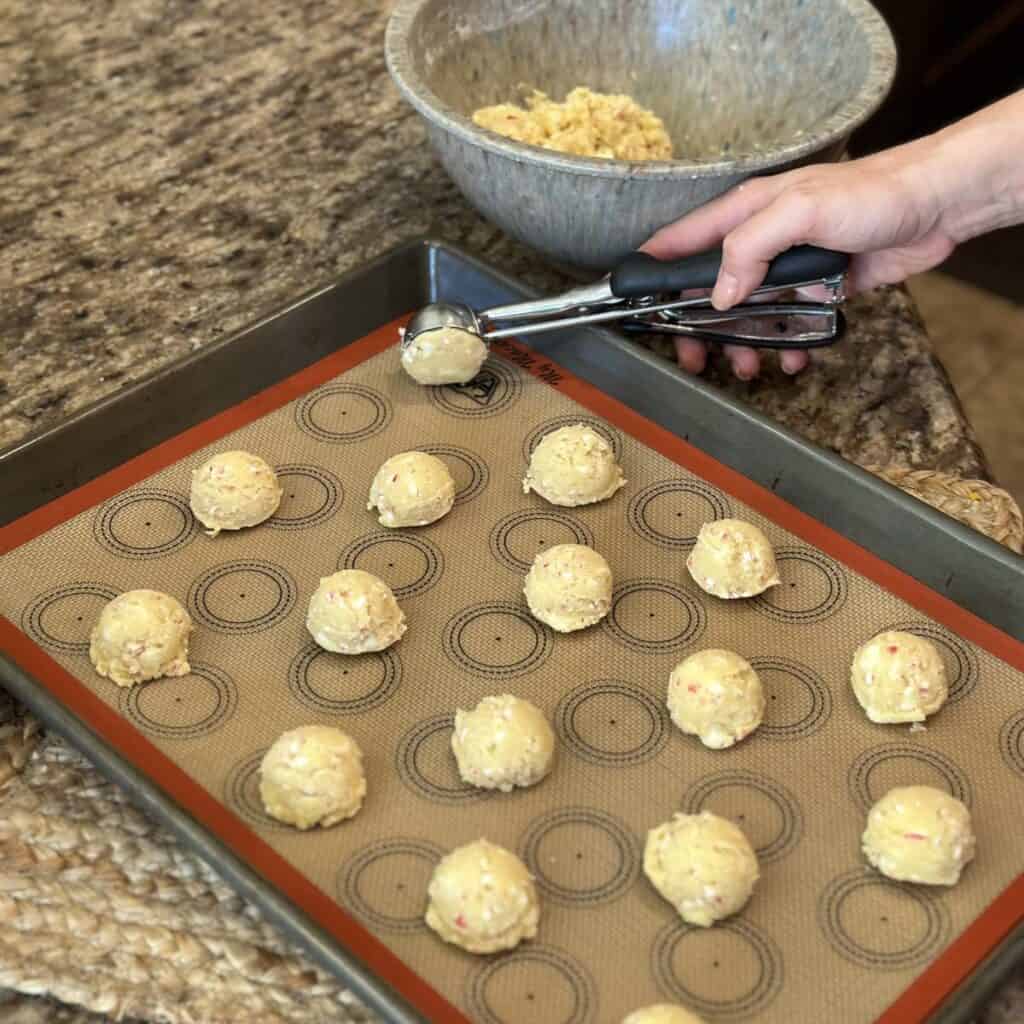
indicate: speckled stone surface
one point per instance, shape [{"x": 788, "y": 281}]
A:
[{"x": 169, "y": 170}]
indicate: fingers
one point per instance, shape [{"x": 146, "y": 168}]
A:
[
  {"x": 749, "y": 248},
  {"x": 746, "y": 363},
  {"x": 792, "y": 362},
  {"x": 691, "y": 355},
  {"x": 706, "y": 226}
]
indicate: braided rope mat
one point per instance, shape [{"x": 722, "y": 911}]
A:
[{"x": 102, "y": 909}]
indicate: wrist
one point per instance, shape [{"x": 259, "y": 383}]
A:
[{"x": 975, "y": 169}]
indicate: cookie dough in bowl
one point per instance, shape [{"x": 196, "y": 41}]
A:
[
  {"x": 502, "y": 743},
  {"x": 141, "y": 635},
  {"x": 573, "y": 466},
  {"x": 919, "y": 834},
  {"x": 312, "y": 775},
  {"x": 446, "y": 355},
  {"x": 482, "y": 899},
  {"x": 715, "y": 695},
  {"x": 732, "y": 559},
  {"x": 354, "y": 612},
  {"x": 234, "y": 490},
  {"x": 899, "y": 677},
  {"x": 569, "y": 587},
  {"x": 662, "y": 1013},
  {"x": 702, "y": 864},
  {"x": 412, "y": 489}
]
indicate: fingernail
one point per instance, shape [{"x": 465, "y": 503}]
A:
[
  {"x": 791, "y": 363},
  {"x": 725, "y": 291}
]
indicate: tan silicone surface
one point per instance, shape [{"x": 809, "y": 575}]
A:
[{"x": 824, "y": 937}]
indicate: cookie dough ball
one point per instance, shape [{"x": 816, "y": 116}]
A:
[
  {"x": 717, "y": 696},
  {"x": 899, "y": 677},
  {"x": 919, "y": 834},
  {"x": 569, "y": 587},
  {"x": 662, "y": 1013},
  {"x": 354, "y": 612},
  {"x": 448, "y": 355},
  {"x": 312, "y": 775},
  {"x": 140, "y": 635},
  {"x": 502, "y": 743},
  {"x": 702, "y": 864},
  {"x": 412, "y": 489},
  {"x": 732, "y": 559},
  {"x": 573, "y": 466},
  {"x": 234, "y": 490},
  {"x": 482, "y": 898}
]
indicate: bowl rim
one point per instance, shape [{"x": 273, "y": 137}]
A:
[{"x": 882, "y": 61}]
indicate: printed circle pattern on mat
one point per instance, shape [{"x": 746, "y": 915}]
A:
[
  {"x": 310, "y": 495},
  {"x": 343, "y": 413},
  {"x": 494, "y": 389},
  {"x": 879, "y": 769},
  {"x": 146, "y": 522},
  {"x": 671, "y": 513},
  {"x": 609, "y": 433},
  {"x": 960, "y": 659},
  {"x": 426, "y": 764},
  {"x": 497, "y": 640},
  {"x": 654, "y": 616},
  {"x": 813, "y": 587},
  {"x": 184, "y": 707},
  {"x": 798, "y": 702},
  {"x": 530, "y": 982},
  {"x": 343, "y": 684},
  {"x": 410, "y": 565},
  {"x": 518, "y": 538},
  {"x": 730, "y": 972},
  {"x": 468, "y": 470},
  {"x": 581, "y": 856},
  {"x": 767, "y": 813},
  {"x": 384, "y": 883},
  {"x": 61, "y": 619},
  {"x": 242, "y": 793},
  {"x": 878, "y": 923},
  {"x": 242, "y": 597},
  {"x": 612, "y": 723},
  {"x": 1011, "y": 742}
]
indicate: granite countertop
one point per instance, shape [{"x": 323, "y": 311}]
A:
[{"x": 170, "y": 170}]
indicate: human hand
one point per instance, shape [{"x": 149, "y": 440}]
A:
[{"x": 872, "y": 208}]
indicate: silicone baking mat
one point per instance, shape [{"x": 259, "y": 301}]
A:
[{"x": 823, "y": 938}]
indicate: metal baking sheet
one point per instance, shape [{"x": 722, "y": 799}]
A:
[{"x": 975, "y": 573}]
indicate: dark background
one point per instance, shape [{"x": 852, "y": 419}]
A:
[{"x": 956, "y": 56}]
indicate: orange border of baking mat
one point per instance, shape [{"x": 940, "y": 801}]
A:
[{"x": 919, "y": 1000}]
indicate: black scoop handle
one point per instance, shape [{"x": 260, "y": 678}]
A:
[{"x": 640, "y": 275}]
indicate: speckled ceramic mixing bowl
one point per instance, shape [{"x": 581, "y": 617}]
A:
[{"x": 744, "y": 87}]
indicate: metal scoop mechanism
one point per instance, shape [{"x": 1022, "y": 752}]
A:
[{"x": 642, "y": 294}]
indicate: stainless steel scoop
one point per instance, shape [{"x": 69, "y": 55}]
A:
[{"x": 638, "y": 293}]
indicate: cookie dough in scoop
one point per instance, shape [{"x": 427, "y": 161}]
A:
[
  {"x": 662, "y": 1013},
  {"x": 446, "y": 355}
]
